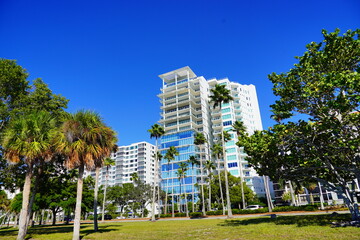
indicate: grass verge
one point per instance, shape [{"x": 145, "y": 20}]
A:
[{"x": 282, "y": 227}]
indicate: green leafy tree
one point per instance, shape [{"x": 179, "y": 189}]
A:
[
  {"x": 156, "y": 131},
  {"x": 219, "y": 95},
  {"x": 170, "y": 156},
  {"x": 323, "y": 87}
]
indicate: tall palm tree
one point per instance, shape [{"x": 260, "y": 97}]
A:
[
  {"x": 156, "y": 131},
  {"x": 217, "y": 151},
  {"x": 85, "y": 141},
  {"x": 200, "y": 140},
  {"x": 193, "y": 161},
  {"x": 170, "y": 156},
  {"x": 181, "y": 173},
  {"x": 240, "y": 129},
  {"x": 29, "y": 138},
  {"x": 209, "y": 166},
  {"x": 107, "y": 163},
  {"x": 220, "y": 95}
]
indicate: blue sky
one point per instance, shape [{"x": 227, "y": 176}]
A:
[{"x": 106, "y": 55}]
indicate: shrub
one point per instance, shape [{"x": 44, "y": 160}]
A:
[
  {"x": 165, "y": 215},
  {"x": 180, "y": 214},
  {"x": 196, "y": 215},
  {"x": 296, "y": 208}
]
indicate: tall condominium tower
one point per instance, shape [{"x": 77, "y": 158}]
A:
[
  {"x": 185, "y": 110},
  {"x": 134, "y": 158}
]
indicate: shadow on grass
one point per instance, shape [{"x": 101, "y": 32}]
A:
[
  {"x": 300, "y": 221},
  {"x": 59, "y": 229}
]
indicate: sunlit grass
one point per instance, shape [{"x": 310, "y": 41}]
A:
[{"x": 283, "y": 227}]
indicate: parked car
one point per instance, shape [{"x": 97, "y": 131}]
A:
[{"x": 253, "y": 207}]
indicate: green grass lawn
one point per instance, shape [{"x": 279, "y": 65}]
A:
[{"x": 283, "y": 227}]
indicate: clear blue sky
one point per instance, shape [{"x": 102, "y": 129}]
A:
[{"x": 106, "y": 55}]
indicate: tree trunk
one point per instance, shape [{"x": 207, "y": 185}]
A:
[
  {"x": 154, "y": 187},
  {"x": 54, "y": 216},
  {"x": 173, "y": 196},
  {"x": 267, "y": 193},
  {"x": 158, "y": 197},
  {"x": 33, "y": 194},
  {"x": 25, "y": 204},
  {"x": 193, "y": 189},
  {"x": 76, "y": 232},
  {"x": 220, "y": 187},
  {"x": 321, "y": 197},
  {"x": 166, "y": 192},
  {"x": 186, "y": 202},
  {"x": 210, "y": 193},
  {"x": 228, "y": 203},
  {"x": 292, "y": 194},
  {"x": 104, "y": 199},
  {"x": 202, "y": 184},
  {"x": 16, "y": 220},
  {"x": 96, "y": 191}
]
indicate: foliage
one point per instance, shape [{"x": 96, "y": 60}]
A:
[
  {"x": 234, "y": 189},
  {"x": 296, "y": 208},
  {"x": 324, "y": 145},
  {"x": 196, "y": 215}
]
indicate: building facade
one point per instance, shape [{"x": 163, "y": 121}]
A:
[
  {"x": 185, "y": 110},
  {"x": 134, "y": 158}
]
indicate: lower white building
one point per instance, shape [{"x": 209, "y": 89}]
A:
[{"x": 134, "y": 158}]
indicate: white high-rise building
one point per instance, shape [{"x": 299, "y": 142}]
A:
[
  {"x": 134, "y": 158},
  {"x": 185, "y": 110}
]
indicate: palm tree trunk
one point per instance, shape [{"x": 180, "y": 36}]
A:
[
  {"x": 173, "y": 196},
  {"x": 292, "y": 194},
  {"x": 166, "y": 193},
  {"x": 220, "y": 187},
  {"x": 158, "y": 197},
  {"x": 228, "y": 203},
  {"x": 321, "y": 197},
  {"x": 16, "y": 220},
  {"x": 186, "y": 202},
  {"x": 202, "y": 185},
  {"x": 33, "y": 194},
  {"x": 25, "y": 204},
  {"x": 154, "y": 187},
  {"x": 180, "y": 198},
  {"x": 210, "y": 193},
  {"x": 242, "y": 193},
  {"x": 76, "y": 231},
  {"x": 193, "y": 189},
  {"x": 104, "y": 199},
  {"x": 96, "y": 191}
]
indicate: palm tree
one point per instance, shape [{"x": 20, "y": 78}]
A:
[
  {"x": 217, "y": 151},
  {"x": 181, "y": 173},
  {"x": 220, "y": 95},
  {"x": 85, "y": 141},
  {"x": 107, "y": 163},
  {"x": 209, "y": 166},
  {"x": 193, "y": 161},
  {"x": 29, "y": 138},
  {"x": 156, "y": 132},
  {"x": 170, "y": 156},
  {"x": 200, "y": 140},
  {"x": 240, "y": 129}
]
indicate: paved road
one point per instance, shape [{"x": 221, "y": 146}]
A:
[{"x": 235, "y": 216}]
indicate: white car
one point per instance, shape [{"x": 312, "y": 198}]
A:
[{"x": 253, "y": 207}]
